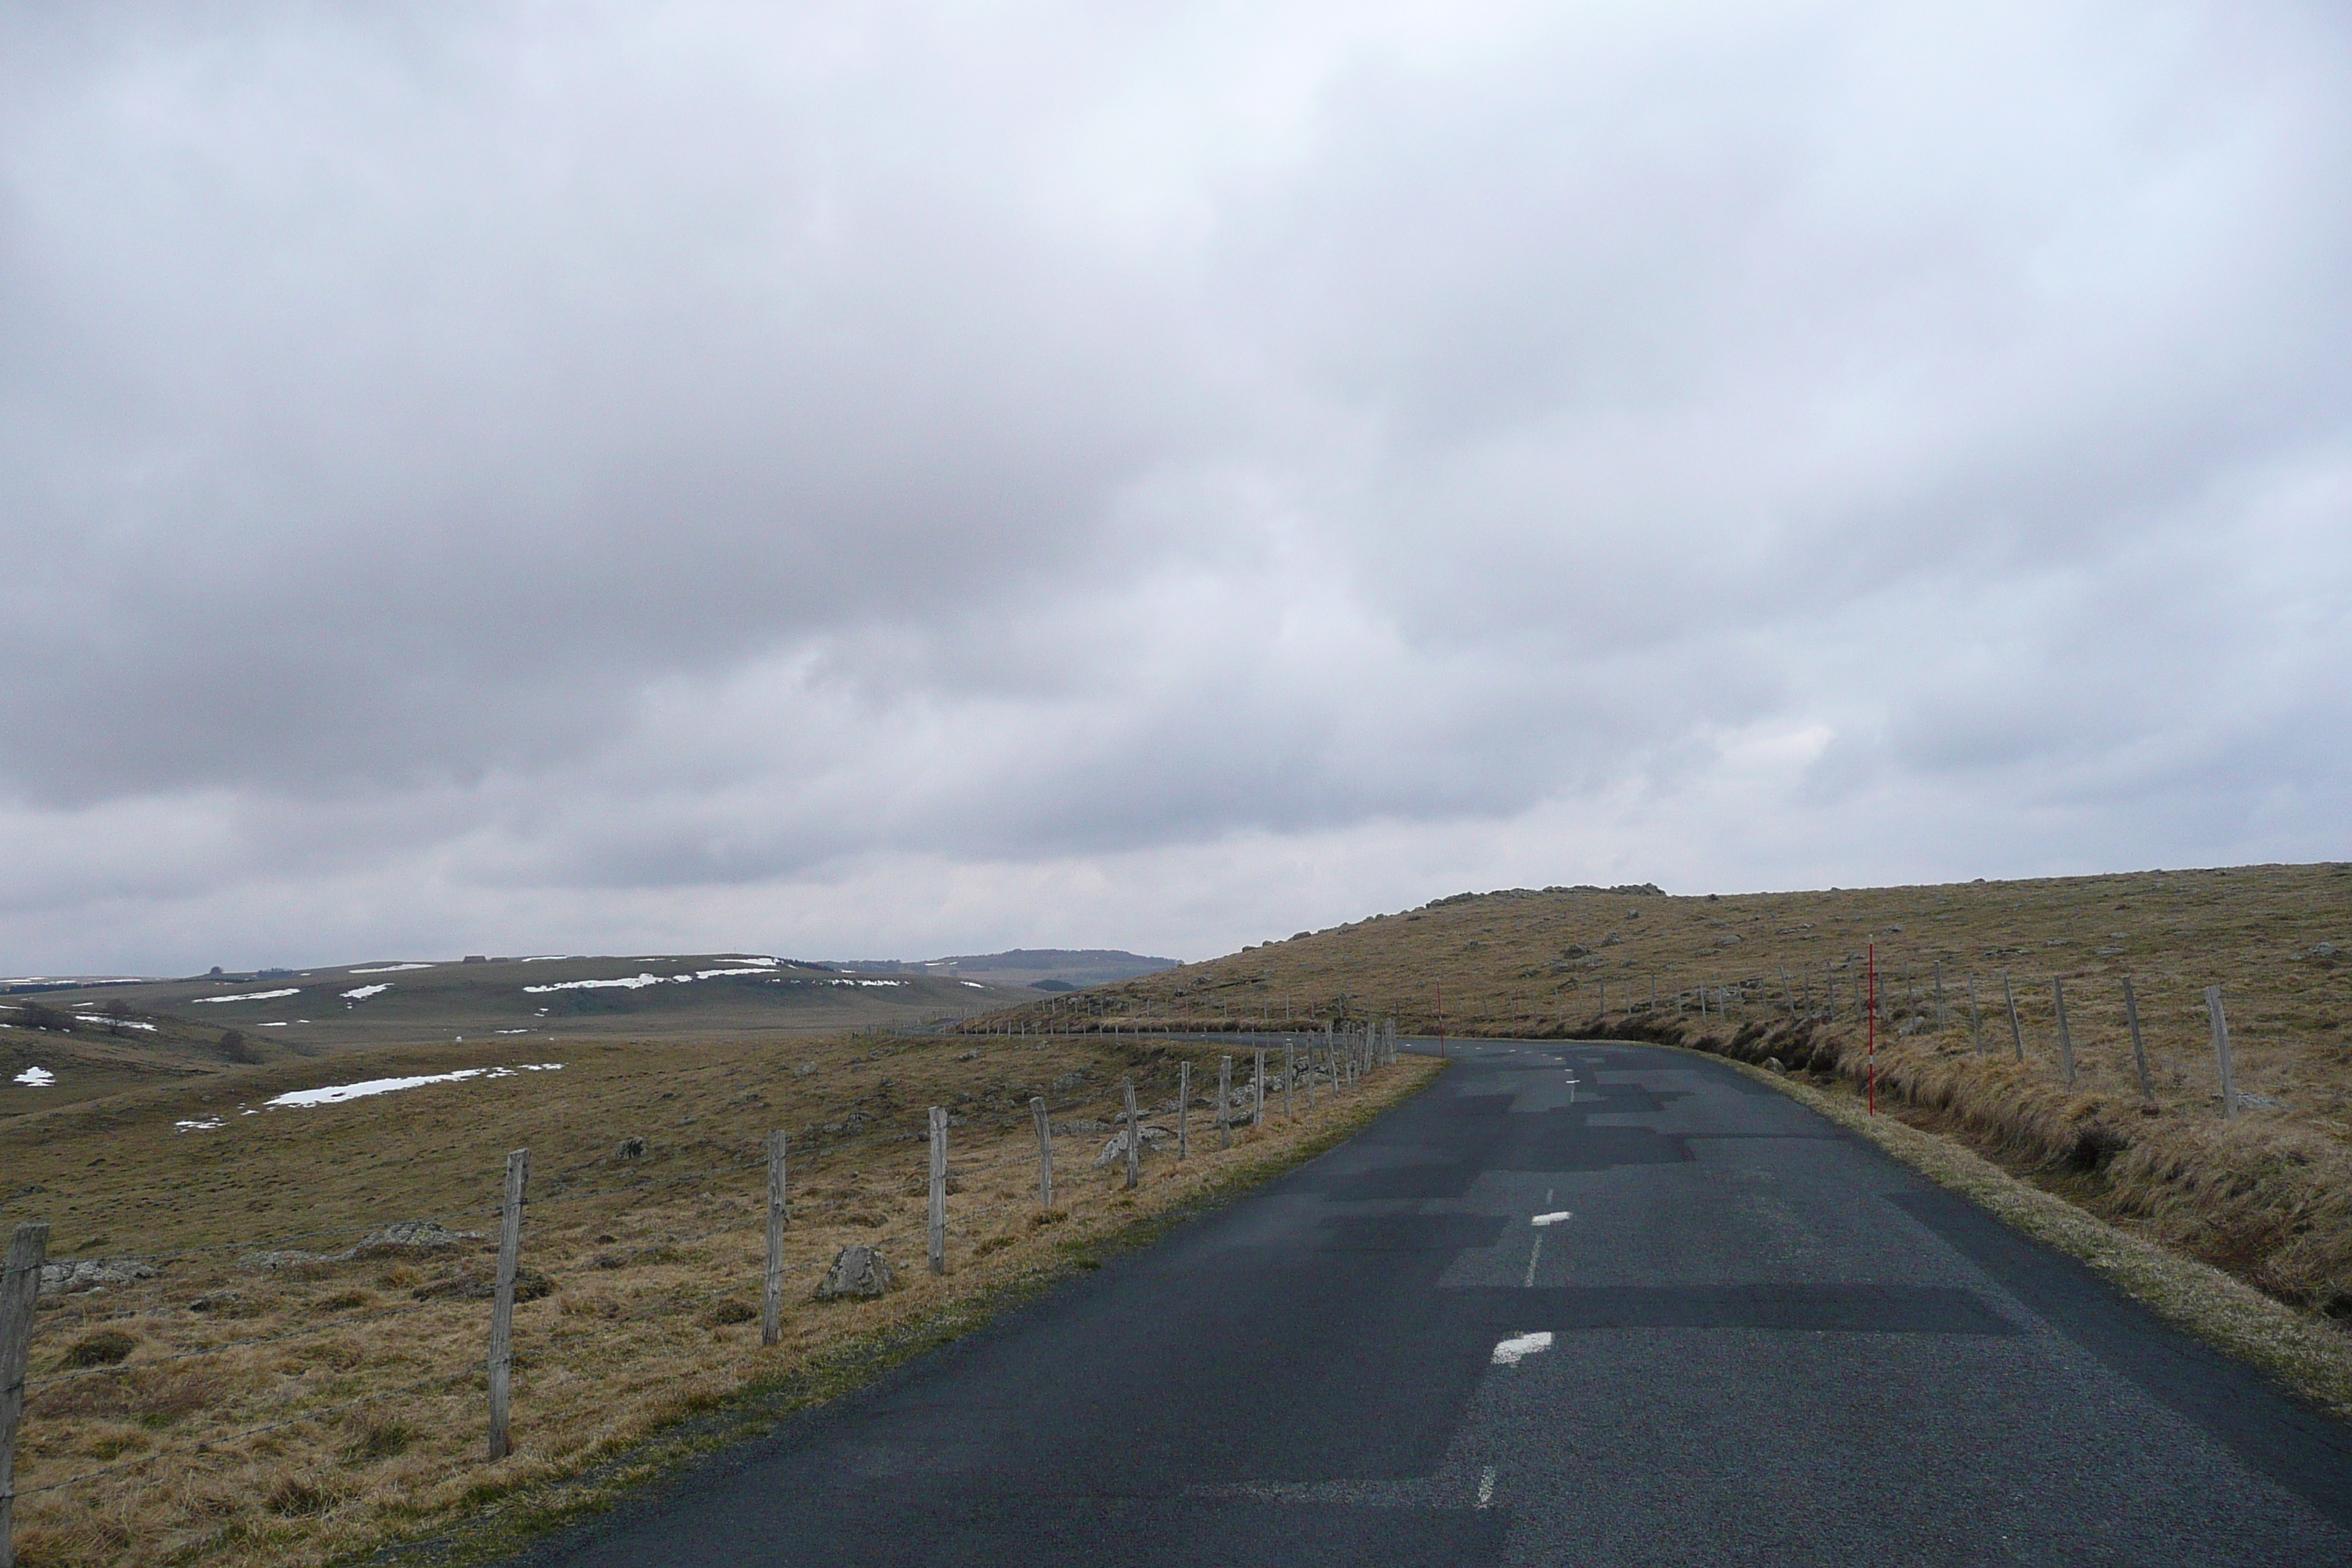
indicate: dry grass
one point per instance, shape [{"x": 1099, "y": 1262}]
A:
[
  {"x": 651, "y": 1268},
  {"x": 2268, "y": 1196}
]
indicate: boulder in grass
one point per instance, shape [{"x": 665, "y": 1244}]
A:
[
  {"x": 1115, "y": 1150},
  {"x": 73, "y": 1275},
  {"x": 857, "y": 1273},
  {"x": 408, "y": 1237}
]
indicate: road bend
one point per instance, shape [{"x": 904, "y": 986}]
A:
[{"x": 1605, "y": 1304}]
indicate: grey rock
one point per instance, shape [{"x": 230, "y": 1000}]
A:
[
  {"x": 411, "y": 1235},
  {"x": 70, "y": 1276},
  {"x": 630, "y": 1148},
  {"x": 1729, "y": 938},
  {"x": 857, "y": 1273}
]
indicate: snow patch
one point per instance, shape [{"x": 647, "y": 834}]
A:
[
  {"x": 37, "y": 1078},
  {"x": 335, "y": 1094},
  {"x": 389, "y": 968},
  {"x": 102, "y": 1018},
  {"x": 362, "y": 993},
  {"x": 249, "y": 996},
  {"x": 208, "y": 1124}
]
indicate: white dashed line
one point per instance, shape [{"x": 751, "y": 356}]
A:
[
  {"x": 1555, "y": 1217},
  {"x": 1533, "y": 1254},
  {"x": 1487, "y": 1486},
  {"x": 1510, "y": 1351}
]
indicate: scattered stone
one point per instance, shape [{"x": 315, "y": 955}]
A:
[
  {"x": 630, "y": 1148},
  {"x": 2259, "y": 1101},
  {"x": 1729, "y": 938},
  {"x": 857, "y": 1272},
  {"x": 1772, "y": 1064},
  {"x": 1115, "y": 1150},
  {"x": 70, "y": 1276},
  {"x": 408, "y": 1237}
]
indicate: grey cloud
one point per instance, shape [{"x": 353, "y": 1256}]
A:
[{"x": 448, "y": 462}]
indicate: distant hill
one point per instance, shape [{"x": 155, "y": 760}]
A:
[
  {"x": 77, "y": 1040},
  {"x": 1038, "y": 968}
]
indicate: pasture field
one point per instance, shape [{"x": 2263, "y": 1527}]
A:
[{"x": 289, "y": 1385}]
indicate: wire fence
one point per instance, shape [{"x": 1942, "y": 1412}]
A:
[{"x": 668, "y": 1272}]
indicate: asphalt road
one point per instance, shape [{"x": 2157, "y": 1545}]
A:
[{"x": 1750, "y": 1338}]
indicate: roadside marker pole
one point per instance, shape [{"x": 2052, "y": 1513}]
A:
[{"x": 1872, "y": 949}]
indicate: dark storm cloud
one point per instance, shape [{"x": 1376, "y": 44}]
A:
[{"x": 902, "y": 474}]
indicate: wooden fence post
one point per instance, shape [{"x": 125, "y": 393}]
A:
[
  {"x": 1226, "y": 1101},
  {"x": 1257, "y": 1090},
  {"x": 2016, "y": 1033},
  {"x": 1828, "y": 991},
  {"x": 1134, "y": 1138},
  {"x": 2140, "y": 1051},
  {"x": 772, "y": 1291},
  {"x": 935, "y": 1236},
  {"x": 20, "y": 1288},
  {"x": 2221, "y": 1050},
  {"x": 1289, "y": 1072},
  {"x": 502, "y": 1307},
  {"x": 1976, "y": 1018},
  {"x": 1943, "y": 1014},
  {"x": 1183, "y": 1110},
  {"x": 2065, "y": 1040},
  {"x": 1044, "y": 1153},
  {"x": 1789, "y": 991}
]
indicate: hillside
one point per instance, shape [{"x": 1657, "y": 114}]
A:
[
  {"x": 1040, "y": 968},
  {"x": 100, "y": 1039},
  {"x": 1778, "y": 977}
]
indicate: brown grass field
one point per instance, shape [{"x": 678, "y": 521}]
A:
[
  {"x": 227, "y": 1412},
  {"x": 2267, "y": 1196}
]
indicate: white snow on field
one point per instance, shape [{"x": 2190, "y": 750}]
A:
[
  {"x": 975, "y": 984},
  {"x": 251, "y": 995},
  {"x": 626, "y": 983},
  {"x": 637, "y": 982},
  {"x": 37, "y": 1078},
  {"x": 335, "y": 1094},
  {"x": 389, "y": 968},
  {"x": 209, "y": 1124},
  {"x": 102, "y": 1018},
  {"x": 362, "y": 993},
  {"x": 275, "y": 1024},
  {"x": 546, "y": 958}
]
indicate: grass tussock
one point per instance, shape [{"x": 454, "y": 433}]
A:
[{"x": 342, "y": 1403}]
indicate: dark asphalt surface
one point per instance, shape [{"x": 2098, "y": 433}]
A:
[{"x": 1769, "y": 1344}]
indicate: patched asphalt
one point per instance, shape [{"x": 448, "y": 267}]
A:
[{"x": 1753, "y": 1339}]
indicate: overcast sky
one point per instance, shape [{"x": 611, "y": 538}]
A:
[{"x": 890, "y": 481}]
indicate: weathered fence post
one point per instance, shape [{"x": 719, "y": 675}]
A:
[
  {"x": 936, "y": 1240},
  {"x": 772, "y": 1291},
  {"x": 1183, "y": 1110},
  {"x": 2016, "y": 1033},
  {"x": 502, "y": 1305},
  {"x": 1257, "y": 1090},
  {"x": 1044, "y": 1153},
  {"x": 2065, "y": 1040},
  {"x": 1976, "y": 1018},
  {"x": 1134, "y": 1136},
  {"x": 1310, "y": 1075},
  {"x": 1289, "y": 1073},
  {"x": 2221, "y": 1050},
  {"x": 20, "y": 1288},
  {"x": 1828, "y": 991},
  {"x": 1789, "y": 991},
  {"x": 2140, "y": 1051},
  {"x": 1226, "y": 1101},
  {"x": 1943, "y": 1014}
]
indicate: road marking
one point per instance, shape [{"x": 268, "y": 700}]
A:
[
  {"x": 1532, "y": 1256},
  {"x": 1519, "y": 1346},
  {"x": 1555, "y": 1217},
  {"x": 1487, "y": 1486}
]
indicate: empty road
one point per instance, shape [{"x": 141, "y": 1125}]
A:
[{"x": 1660, "y": 1315}]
